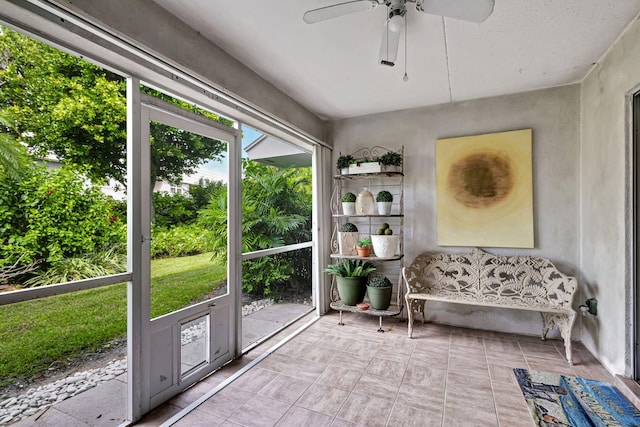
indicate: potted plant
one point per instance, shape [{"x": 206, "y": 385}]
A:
[
  {"x": 343, "y": 163},
  {"x": 364, "y": 247},
  {"x": 349, "y": 203},
  {"x": 384, "y": 201},
  {"x": 379, "y": 290},
  {"x": 390, "y": 161},
  {"x": 365, "y": 165},
  {"x": 348, "y": 239},
  {"x": 351, "y": 279},
  {"x": 384, "y": 242}
]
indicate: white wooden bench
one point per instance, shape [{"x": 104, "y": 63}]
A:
[{"x": 480, "y": 278}]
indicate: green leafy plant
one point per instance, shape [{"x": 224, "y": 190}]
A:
[
  {"x": 364, "y": 242},
  {"x": 348, "y": 228},
  {"x": 348, "y": 197},
  {"x": 384, "y": 196},
  {"x": 91, "y": 265},
  {"x": 379, "y": 281},
  {"x": 351, "y": 268},
  {"x": 344, "y": 161},
  {"x": 390, "y": 159},
  {"x": 178, "y": 241}
]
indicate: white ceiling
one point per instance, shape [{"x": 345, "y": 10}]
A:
[{"x": 331, "y": 67}]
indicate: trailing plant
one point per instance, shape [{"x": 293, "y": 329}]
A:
[
  {"x": 379, "y": 281},
  {"x": 390, "y": 158},
  {"x": 384, "y": 196},
  {"x": 351, "y": 268},
  {"x": 348, "y": 197},
  {"x": 344, "y": 161},
  {"x": 348, "y": 227}
]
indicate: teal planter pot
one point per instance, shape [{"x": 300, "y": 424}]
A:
[
  {"x": 351, "y": 289},
  {"x": 380, "y": 298}
]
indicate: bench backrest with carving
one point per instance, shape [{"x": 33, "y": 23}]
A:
[{"x": 484, "y": 278}]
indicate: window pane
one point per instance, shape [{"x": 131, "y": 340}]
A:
[
  {"x": 188, "y": 212},
  {"x": 194, "y": 339}
]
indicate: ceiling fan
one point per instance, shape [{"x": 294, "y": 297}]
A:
[{"x": 467, "y": 10}]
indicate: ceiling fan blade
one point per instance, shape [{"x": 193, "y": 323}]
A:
[
  {"x": 390, "y": 41},
  {"x": 329, "y": 12},
  {"x": 467, "y": 10}
]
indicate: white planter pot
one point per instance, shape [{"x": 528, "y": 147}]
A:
[
  {"x": 368, "y": 167},
  {"x": 384, "y": 208},
  {"x": 385, "y": 246},
  {"x": 347, "y": 242},
  {"x": 349, "y": 208}
]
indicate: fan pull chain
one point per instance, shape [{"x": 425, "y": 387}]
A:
[{"x": 406, "y": 23}]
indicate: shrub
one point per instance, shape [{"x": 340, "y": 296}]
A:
[
  {"x": 182, "y": 240},
  {"x": 53, "y": 215},
  {"x": 391, "y": 159},
  {"x": 348, "y": 197},
  {"x": 344, "y": 161},
  {"x": 384, "y": 196},
  {"x": 348, "y": 227}
]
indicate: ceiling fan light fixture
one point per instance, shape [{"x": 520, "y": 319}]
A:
[{"x": 395, "y": 23}]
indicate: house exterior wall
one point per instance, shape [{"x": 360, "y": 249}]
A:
[
  {"x": 553, "y": 114},
  {"x": 606, "y": 197}
]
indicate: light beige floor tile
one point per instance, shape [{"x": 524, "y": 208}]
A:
[
  {"x": 260, "y": 411},
  {"x": 421, "y": 373},
  {"x": 197, "y": 418},
  {"x": 389, "y": 353},
  {"x": 469, "y": 415},
  {"x": 436, "y": 358},
  {"x": 407, "y": 416},
  {"x": 253, "y": 380},
  {"x": 224, "y": 403},
  {"x": 475, "y": 342},
  {"x": 323, "y": 399},
  {"x": 505, "y": 359},
  {"x": 499, "y": 373},
  {"x": 354, "y": 361},
  {"x": 554, "y": 366},
  {"x": 422, "y": 397},
  {"x": 372, "y": 385},
  {"x": 366, "y": 410},
  {"x": 297, "y": 417},
  {"x": 285, "y": 389},
  {"x": 385, "y": 368},
  {"x": 502, "y": 346},
  {"x": 339, "y": 377}
]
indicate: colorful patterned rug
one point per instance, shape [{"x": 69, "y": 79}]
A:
[{"x": 559, "y": 400}]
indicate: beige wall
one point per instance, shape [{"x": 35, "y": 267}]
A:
[
  {"x": 605, "y": 201},
  {"x": 553, "y": 114}
]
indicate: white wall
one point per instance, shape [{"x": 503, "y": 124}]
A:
[
  {"x": 606, "y": 200},
  {"x": 553, "y": 114}
]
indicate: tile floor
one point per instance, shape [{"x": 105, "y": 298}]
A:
[{"x": 333, "y": 375}]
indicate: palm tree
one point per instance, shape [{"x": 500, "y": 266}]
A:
[{"x": 13, "y": 155}]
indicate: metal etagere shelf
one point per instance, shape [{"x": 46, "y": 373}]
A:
[{"x": 377, "y": 177}]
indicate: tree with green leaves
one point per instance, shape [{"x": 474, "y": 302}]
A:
[
  {"x": 13, "y": 155},
  {"x": 67, "y": 106}
]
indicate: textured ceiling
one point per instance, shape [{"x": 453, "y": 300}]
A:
[{"x": 331, "y": 67}]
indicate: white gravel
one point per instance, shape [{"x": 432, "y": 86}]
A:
[{"x": 33, "y": 400}]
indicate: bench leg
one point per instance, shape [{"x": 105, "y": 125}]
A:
[
  {"x": 564, "y": 322},
  {"x": 409, "y": 305}
]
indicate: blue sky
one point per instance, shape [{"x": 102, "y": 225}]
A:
[{"x": 248, "y": 136}]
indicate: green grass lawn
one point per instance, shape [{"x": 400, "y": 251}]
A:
[{"x": 35, "y": 335}]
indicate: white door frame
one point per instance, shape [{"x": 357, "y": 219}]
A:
[{"x": 154, "y": 345}]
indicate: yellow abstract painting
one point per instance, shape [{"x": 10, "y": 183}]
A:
[{"x": 484, "y": 190}]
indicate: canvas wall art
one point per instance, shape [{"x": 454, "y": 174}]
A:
[{"x": 484, "y": 190}]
